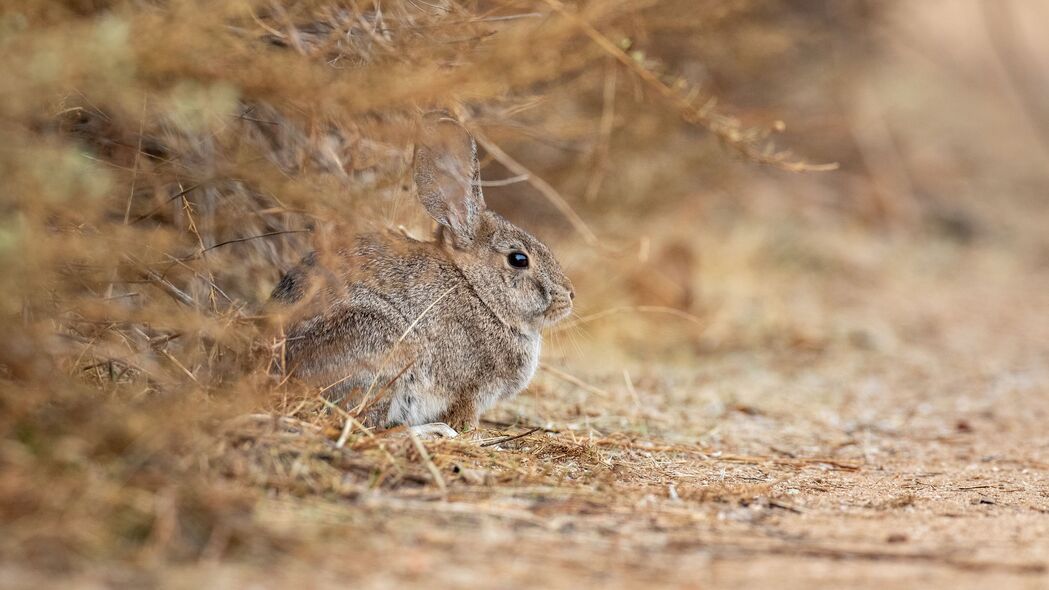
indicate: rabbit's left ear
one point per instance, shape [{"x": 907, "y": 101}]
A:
[{"x": 448, "y": 177}]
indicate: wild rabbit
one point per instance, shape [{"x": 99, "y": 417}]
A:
[{"x": 430, "y": 332}]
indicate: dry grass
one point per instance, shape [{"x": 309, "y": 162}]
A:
[{"x": 773, "y": 377}]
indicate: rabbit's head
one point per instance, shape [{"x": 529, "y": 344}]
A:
[{"x": 512, "y": 272}]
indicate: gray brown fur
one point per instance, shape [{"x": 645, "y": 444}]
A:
[{"x": 477, "y": 344}]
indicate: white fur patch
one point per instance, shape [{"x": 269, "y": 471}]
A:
[
  {"x": 533, "y": 365},
  {"x": 415, "y": 407}
]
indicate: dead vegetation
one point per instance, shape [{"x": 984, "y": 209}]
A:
[{"x": 797, "y": 378}]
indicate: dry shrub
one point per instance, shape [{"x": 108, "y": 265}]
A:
[{"x": 165, "y": 161}]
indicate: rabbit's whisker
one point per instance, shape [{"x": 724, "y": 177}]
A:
[{"x": 652, "y": 309}]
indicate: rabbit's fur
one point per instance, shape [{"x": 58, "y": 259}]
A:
[{"x": 437, "y": 331}]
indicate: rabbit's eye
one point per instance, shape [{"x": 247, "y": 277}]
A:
[{"x": 517, "y": 259}]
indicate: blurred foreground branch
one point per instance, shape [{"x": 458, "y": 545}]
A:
[{"x": 751, "y": 143}]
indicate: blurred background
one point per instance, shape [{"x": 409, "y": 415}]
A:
[{"x": 718, "y": 177}]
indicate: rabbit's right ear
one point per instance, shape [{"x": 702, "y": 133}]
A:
[{"x": 448, "y": 177}]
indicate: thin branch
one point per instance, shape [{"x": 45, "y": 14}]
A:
[
  {"x": 165, "y": 285},
  {"x": 505, "y": 181},
  {"x": 174, "y": 197},
  {"x": 999, "y": 18},
  {"x": 544, "y": 188},
  {"x": 574, "y": 380},
  {"x": 726, "y": 129},
  {"x": 510, "y": 438},
  {"x": 608, "y": 118},
  {"x": 134, "y": 167},
  {"x": 247, "y": 239},
  {"x": 425, "y": 457}
]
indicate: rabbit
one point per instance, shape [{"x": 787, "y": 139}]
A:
[{"x": 443, "y": 329}]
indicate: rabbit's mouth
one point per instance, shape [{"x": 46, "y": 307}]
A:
[{"x": 556, "y": 312}]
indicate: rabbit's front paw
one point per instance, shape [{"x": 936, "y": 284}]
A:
[{"x": 433, "y": 430}]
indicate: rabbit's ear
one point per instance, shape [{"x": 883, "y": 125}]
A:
[{"x": 448, "y": 177}]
